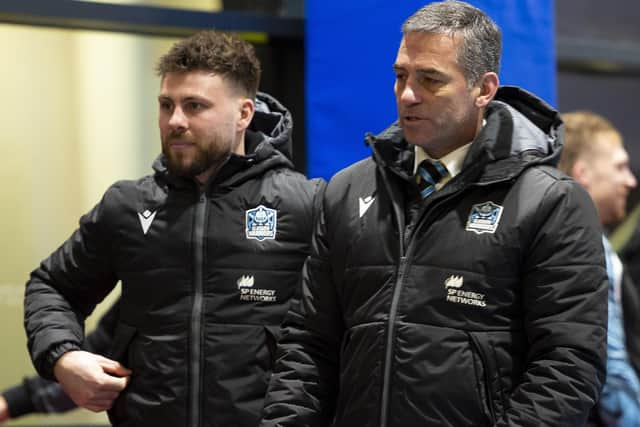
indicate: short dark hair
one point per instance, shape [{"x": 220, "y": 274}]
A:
[
  {"x": 223, "y": 54},
  {"x": 481, "y": 45}
]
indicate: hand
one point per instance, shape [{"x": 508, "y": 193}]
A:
[
  {"x": 4, "y": 410},
  {"x": 91, "y": 381}
]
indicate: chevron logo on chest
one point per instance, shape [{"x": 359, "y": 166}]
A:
[
  {"x": 365, "y": 204},
  {"x": 146, "y": 218}
]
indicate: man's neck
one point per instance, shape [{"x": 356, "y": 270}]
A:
[{"x": 208, "y": 174}]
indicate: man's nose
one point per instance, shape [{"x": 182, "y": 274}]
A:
[
  {"x": 632, "y": 182},
  {"x": 408, "y": 95},
  {"x": 178, "y": 119}
]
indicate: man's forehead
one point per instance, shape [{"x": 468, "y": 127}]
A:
[
  {"x": 422, "y": 38},
  {"x": 419, "y": 45},
  {"x": 605, "y": 147},
  {"x": 607, "y": 140}
]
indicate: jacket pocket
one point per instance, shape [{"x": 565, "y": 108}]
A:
[
  {"x": 272, "y": 336},
  {"x": 123, "y": 337},
  {"x": 483, "y": 374},
  {"x": 344, "y": 345}
]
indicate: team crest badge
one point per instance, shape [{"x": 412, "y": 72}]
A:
[
  {"x": 261, "y": 223},
  {"x": 484, "y": 218}
]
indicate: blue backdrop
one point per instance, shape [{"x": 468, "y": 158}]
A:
[{"x": 350, "y": 49}]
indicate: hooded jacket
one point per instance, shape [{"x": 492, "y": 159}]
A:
[
  {"x": 207, "y": 277},
  {"x": 489, "y": 309}
]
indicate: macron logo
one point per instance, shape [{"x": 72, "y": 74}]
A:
[
  {"x": 365, "y": 204},
  {"x": 146, "y": 218}
]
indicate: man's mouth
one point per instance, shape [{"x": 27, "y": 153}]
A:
[{"x": 177, "y": 144}]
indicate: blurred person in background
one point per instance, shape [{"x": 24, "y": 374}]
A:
[
  {"x": 625, "y": 239},
  {"x": 594, "y": 155}
]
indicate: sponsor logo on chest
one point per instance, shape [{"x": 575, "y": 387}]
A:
[
  {"x": 249, "y": 293},
  {"x": 456, "y": 294}
]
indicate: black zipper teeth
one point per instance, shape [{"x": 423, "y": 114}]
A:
[
  {"x": 390, "y": 340},
  {"x": 196, "y": 313}
]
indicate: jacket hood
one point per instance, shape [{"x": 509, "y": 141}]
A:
[
  {"x": 522, "y": 125},
  {"x": 272, "y": 125},
  {"x": 520, "y": 130},
  {"x": 268, "y": 144}
]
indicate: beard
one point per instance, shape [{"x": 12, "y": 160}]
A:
[{"x": 204, "y": 156}]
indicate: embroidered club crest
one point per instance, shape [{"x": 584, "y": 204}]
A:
[
  {"x": 260, "y": 223},
  {"x": 484, "y": 218}
]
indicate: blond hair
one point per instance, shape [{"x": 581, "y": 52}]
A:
[{"x": 581, "y": 128}]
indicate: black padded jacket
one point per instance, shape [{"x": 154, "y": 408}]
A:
[
  {"x": 207, "y": 277},
  {"x": 488, "y": 309}
]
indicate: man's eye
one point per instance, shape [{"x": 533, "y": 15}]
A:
[
  {"x": 194, "y": 106},
  {"x": 165, "y": 106}
]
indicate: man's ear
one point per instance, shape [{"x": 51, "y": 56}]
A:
[
  {"x": 581, "y": 173},
  {"x": 247, "y": 109},
  {"x": 488, "y": 86}
]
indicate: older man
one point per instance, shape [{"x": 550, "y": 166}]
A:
[{"x": 457, "y": 277}]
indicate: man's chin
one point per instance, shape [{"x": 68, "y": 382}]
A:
[
  {"x": 414, "y": 137},
  {"x": 417, "y": 141},
  {"x": 185, "y": 170}
]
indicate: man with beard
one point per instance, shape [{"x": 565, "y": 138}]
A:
[
  {"x": 208, "y": 250},
  {"x": 456, "y": 277},
  {"x": 595, "y": 157}
]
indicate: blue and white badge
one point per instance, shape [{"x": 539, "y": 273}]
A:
[
  {"x": 261, "y": 223},
  {"x": 484, "y": 218}
]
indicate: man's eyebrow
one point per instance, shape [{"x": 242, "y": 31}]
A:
[
  {"x": 196, "y": 98},
  {"x": 189, "y": 98},
  {"x": 431, "y": 72}
]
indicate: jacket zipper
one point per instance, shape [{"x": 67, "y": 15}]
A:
[
  {"x": 393, "y": 311},
  {"x": 196, "y": 312},
  {"x": 391, "y": 326}
]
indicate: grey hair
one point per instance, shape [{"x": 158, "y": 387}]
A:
[{"x": 481, "y": 45}]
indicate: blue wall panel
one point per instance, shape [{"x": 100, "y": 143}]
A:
[{"x": 350, "y": 49}]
